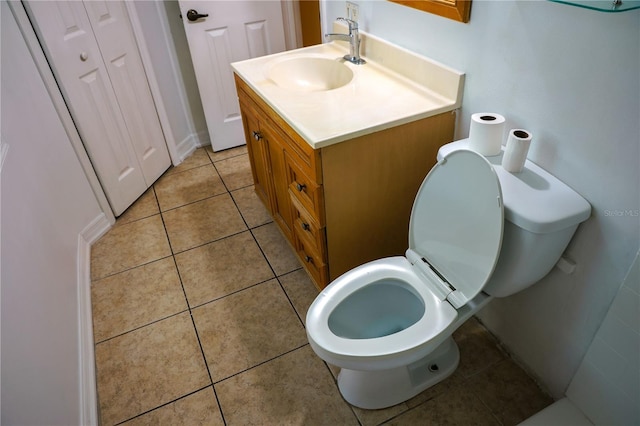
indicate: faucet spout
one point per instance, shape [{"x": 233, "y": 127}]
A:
[
  {"x": 338, "y": 36},
  {"x": 354, "y": 41}
]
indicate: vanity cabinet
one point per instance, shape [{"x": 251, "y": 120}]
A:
[{"x": 347, "y": 203}]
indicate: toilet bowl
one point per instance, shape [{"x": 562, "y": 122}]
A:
[{"x": 476, "y": 231}]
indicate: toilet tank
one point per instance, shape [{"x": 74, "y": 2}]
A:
[{"x": 541, "y": 215}]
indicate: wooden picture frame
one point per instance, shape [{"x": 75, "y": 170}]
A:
[{"x": 458, "y": 10}]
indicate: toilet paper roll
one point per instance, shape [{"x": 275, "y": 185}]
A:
[
  {"x": 486, "y": 133},
  {"x": 515, "y": 153}
]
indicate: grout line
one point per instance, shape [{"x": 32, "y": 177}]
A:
[
  {"x": 261, "y": 363},
  {"x": 195, "y": 328},
  {"x": 289, "y": 298},
  {"x": 195, "y": 202},
  {"x": 97, "y": 280},
  {"x": 143, "y": 326},
  {"x": 211, "y": 242},
  {"x": 165, "y": 404},
  {"x": 232, "y": 293}
]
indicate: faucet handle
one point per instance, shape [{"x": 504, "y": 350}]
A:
[{"x": 353, "y": 25}]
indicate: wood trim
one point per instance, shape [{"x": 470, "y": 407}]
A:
[{"x": 458, "y": 10}]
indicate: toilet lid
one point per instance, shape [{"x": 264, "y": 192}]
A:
[{"x": 457, "y": 223}]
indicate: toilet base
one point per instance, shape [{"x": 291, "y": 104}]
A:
[{"x": 383, "y": 388}]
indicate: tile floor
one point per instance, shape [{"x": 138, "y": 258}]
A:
[{"x": 199, "y": 307}]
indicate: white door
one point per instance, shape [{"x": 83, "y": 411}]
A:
[
  {"x": 95, "y": 59},
  {"x": 232, "y": 31}
]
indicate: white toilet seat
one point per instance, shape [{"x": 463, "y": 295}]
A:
[
  {"x": 394, "y": 350},
  {"x": 455, "y": 236}
]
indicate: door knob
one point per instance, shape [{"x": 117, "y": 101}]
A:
[{"x": 193, "y": 15}]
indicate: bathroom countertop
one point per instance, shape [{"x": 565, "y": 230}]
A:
[{"x": 394, "y": 87}]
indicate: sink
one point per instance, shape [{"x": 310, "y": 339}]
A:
[
  {"x": 327, "y": 100},
  {"x": 310, "y": 74}
]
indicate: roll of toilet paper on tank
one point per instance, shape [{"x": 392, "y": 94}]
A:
[
  {"x": 515, "y": 153},
  {"x": 485, "y": 133}
]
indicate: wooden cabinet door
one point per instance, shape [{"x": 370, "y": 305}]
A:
[
  {"x": 282, "y": 210},
  {"x": 258, "y": 149}
]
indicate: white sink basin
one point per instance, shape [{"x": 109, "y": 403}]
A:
[
  {"x": 310, "y": 74},
  {"x": 327, "y": 100}
]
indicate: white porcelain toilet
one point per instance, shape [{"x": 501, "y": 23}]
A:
[{"x": 476, "y": 232}]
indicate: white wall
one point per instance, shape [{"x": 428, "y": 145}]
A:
[
  {"x": 46, "y": 203},
  {"x": 606, "y": 386},
  {"x": 572, "y": 77}
]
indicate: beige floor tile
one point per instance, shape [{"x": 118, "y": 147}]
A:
[
  {"x": 458, "y": 407},
  {"x": 227, "y": 153},
  {"x": 376, "y": 417},
  {"x": 128, "y": 246},
  {"x": 235, "y": 171},
  {"x": 221, "y": 268},
  {"x": 276, "y": 248},
  {"x": 509, "y": 392},
  {"x": 136, "y": 297},
  {"x": 145, "y": 206},
  {"x": 148, "y": 367},
  {"x": 198, "y": 158},
  {"x": 185, "y": 187},
  {"x": 295, "y": 389},
  {"x": 301, "y": 291},
  {"x": 198, "y": 409},
  {"x": 478, "y": 349},
  {"x": 254, "y": 333},
  {"x": 202, "y": 222},
  {"x": 246, "y": 328},
  {"x": 250, "y": 206}
]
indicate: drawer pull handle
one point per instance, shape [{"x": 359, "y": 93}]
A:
[
  {"x": 309, "y": 259},
  {"x": 305, "y": 226},
  {"x": 301, "y": 187},
  {"x": 257, "y": 135}
]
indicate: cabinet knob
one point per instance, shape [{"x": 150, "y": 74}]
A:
[
  {"x": 257, "y": 135},
  {"x": 308, "y": 258},
  {"x": 84, "y": 56},
  {"x": 301, "y": 187},
  {"x": 305, "y": 226}
]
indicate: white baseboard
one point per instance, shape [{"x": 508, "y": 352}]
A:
[
  {"x": 202, "y": 138},
  {"x": 87, "y": 386},
  {"x": 192, "y": 142},
  {"x": 186, "y": 147}
]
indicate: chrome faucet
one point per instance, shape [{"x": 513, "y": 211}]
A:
[{"x": 354, "y": 41}]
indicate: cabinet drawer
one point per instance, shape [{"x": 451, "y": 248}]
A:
[
  {"x": 305, "y": 190},
  {"x": 312, "y": 260},
  {"x": 307, "y": 226}
]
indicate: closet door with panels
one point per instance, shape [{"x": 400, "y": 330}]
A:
[{"x": 95, "y": 59}]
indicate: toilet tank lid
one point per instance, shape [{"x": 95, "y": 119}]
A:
[{"x": 534, "y": 199}]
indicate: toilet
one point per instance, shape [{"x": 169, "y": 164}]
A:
[{"x": 476, "y": 232}]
